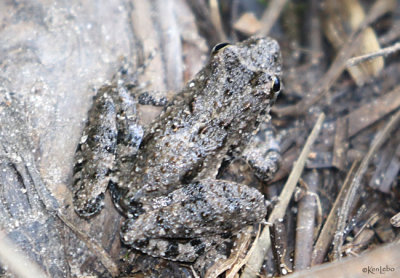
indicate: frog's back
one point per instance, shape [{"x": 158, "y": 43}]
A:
[{"x": 215, "y": 113}]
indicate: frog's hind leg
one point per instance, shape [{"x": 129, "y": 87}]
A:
[
  {"x": 200, "y": 210},
  {"x": 95, "y": 155},
  {"x": 130, "y": 135},
  {"x": 111, "y": 133}
]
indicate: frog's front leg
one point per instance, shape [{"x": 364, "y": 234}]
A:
[
  {"x": 263, "y": 153},
  {"x": 111, "y": 133},
  {"x": 184, "y": 224}
]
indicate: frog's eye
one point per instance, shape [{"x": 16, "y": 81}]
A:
[
  {"x": 276, "y": 84},
  {"x": 219, "y": 46}
]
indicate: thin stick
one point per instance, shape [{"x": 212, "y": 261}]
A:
[
  {"x": 382, "y": 52},
  {"x": 264, "y": 242}
]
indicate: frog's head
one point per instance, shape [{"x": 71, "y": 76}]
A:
[{"x": 255, "y": 62}]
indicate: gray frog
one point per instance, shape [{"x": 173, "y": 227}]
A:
[{"x": 163, "y": 178}]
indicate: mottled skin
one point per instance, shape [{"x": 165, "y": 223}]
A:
[{"x": 166, "y": 187}]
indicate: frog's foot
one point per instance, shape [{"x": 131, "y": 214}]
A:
[
  {"x": 203, "y": 209},
  {"x": 263, "y": 154}
]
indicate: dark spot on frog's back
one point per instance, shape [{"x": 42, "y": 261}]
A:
[
  {"x": 192, "y": 173},
  {"x": 142, "y": 243},
  {"x": 172, "y": 250},
  {"x": 198, "y": 246},
  {"x": 256, "y": 78},
  {"x": 225, "y": 248},
  {"x": 201, "y": 248},
  {"x": 226, "y": 235},
  {"x": 78, "y": 167},
  {"x": 195, "y": 189},
  {"x": 195, "y": 242},
  {"x": 91, "y": 207},
  {"x": 135, "y": 208}
]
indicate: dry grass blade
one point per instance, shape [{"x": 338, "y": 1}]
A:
[
  {"x": 242, "y": 261},
  {"x": 341, "y": 145},
  {"x": 247, "y": 24},
  {"x": 16, "y": 262},
  {"x": 307, "y": 211},
  {"x": 382, "y": 52},
  {"x": 216, "y": 19},
  {"x": 264, "y": 242},
  {"x": 342, "y": 17},
  {"x": 356, "y": 183},
  {"x": 325, "y": 237},
  {"x": 223, "y": 265},
  {"x": 270, "y": 15}
]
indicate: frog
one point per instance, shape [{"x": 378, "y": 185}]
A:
[{"x": 162, "y": 177}]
